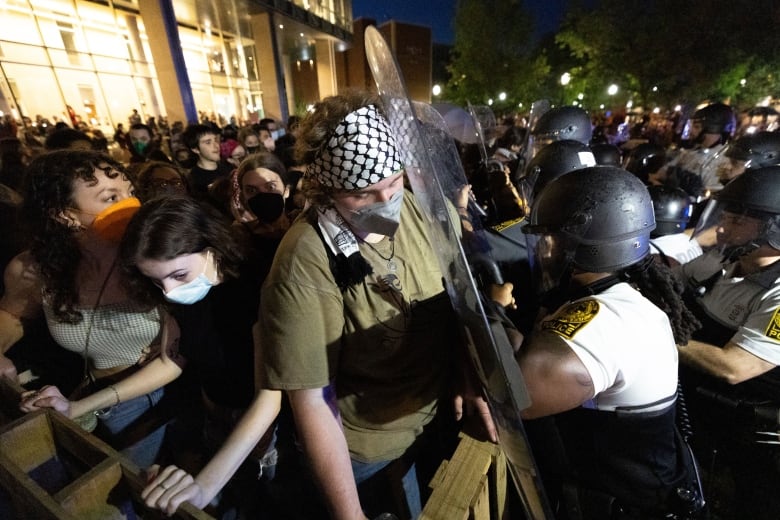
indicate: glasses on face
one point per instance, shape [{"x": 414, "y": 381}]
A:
[{"x": 239, "y": 157}]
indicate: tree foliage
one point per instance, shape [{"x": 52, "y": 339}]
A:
[
  {"x": 494, "y": 53},
  {"x": 659, "y": 53},
  {"x": 666, "y": 51}
]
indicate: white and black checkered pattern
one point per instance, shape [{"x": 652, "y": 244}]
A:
[
  {"x": 121, "y": 333},
  {"x": 361, "y": 152}
]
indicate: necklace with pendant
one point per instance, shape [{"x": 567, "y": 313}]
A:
[{"x": 391, "y": 265}]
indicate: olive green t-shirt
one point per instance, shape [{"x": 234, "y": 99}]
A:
[{"x": 386, "y": 343}]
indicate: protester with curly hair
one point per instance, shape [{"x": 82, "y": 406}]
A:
[{"x": 77, "y": 204}]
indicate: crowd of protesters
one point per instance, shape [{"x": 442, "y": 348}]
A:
[{"x": 255, "y": 312}]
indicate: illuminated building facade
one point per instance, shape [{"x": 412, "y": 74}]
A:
[{"x": 98, "y": 60}]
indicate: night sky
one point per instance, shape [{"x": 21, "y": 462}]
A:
[{"x": 438, "y": 14}]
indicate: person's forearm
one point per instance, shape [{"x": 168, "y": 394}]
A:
[
  {"x": 328, "y": 455},
  {"x": 730, "y": 363},
  {"x": 250, "y": 429},
  {"x": 155, "y": 374},
  {"x": 703, "y": 357}
]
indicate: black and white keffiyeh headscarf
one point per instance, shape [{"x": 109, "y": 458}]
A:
[{"x": 361, "y": 151}]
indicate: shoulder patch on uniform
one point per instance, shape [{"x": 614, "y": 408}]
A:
[
  {"x": 507, "y": 224},
  {"x": 572, "y": 318},
  {"x": 773, "y": 329}
]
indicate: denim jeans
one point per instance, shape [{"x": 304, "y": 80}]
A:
[
  {"x": 388, "y": 487},
  {"x": 118, "y": 417}
]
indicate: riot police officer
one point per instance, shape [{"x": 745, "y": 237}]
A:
[
  {"x": 735, "y": 388},
  {"x": 603, "y": 362},
  {"x": 645, "y": 160},
  {"x": 709, "y": 130},
  {"x": 749, "y": 152},
  {"x": 561, "y": 123},
  {"x": 672, "y": 208},
  {"x": 552, "y": 161}
]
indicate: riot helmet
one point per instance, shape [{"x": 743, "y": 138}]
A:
[
  {"x": 562, "y": 123},
  {"x": 745, "y": 214},
  {"x": 715, "y": 118},
  {"x": 606, "y": 154},
  {"x": 645, "y": 159},
  {"x": 672, "y": 208},
  {"x": 551, "y": 162},
  {"x": 750, "y": 152},
  {"x": 757, "y": 150},
  {"x": 595, "y": 219}
]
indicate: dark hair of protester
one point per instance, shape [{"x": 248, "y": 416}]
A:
[
  {"x": 63, "y": 138},
  {"x": 12, "y": 156},
  {"x": 192, "y": 134},
  {"x": 48, "y": 192},
  {"x": 148, "y": 187},
  {"x": 657, "y": 283},
  {"x": 267, "y": 160},
  {"x": 142, "y": 126},
  {"x": 513, "y": 136},
  {"x": 167, "y": 227}
]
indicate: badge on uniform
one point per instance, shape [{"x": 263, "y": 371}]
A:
[
  {"x": 572, "y": 318},
  {"x": 773, "y": 329}
]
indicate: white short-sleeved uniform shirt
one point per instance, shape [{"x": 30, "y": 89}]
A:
[
  {"x": 627, "y": 346},
  {"x": 679, "y": 246},
  {"x": 748, "y": 304}
]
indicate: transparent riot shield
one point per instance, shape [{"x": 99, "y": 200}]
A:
[{"x": 435, "y": 175}]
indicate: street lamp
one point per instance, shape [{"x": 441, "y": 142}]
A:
[
  {"x": 612, "y": 89},
  {"x": 565, "y": 80},
  {"x": 436, "y": 90}
]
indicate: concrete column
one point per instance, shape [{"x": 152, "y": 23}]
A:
[
  {"x": 326, "y": 67},
  {"x": 163, "y": 33},
  {"x": 269, "y": 65}
]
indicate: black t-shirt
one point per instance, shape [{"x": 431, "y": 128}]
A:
[
  {"x": 216, "y": 340},
  {"x": 202, "y": 178}
]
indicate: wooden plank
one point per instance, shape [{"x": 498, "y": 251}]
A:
[
  {"x": 92, "y": 494},
  {"x": 103, "y": 480},
  {"x": 28, "y": 499},
  {"x": 28, "y": 441},
  {"x": 70, "y": 437},
  {"x": 498, "y": 483},
  {"x": 479, "y": 509},
  {"x": 438, "y": 477},
  {"x": 462, "y": 481}
]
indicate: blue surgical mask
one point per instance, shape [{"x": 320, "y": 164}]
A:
[
  {"x": 192, "y": 291},
  {"x": 381, "y": 217}
]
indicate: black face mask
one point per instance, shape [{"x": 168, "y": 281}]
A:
[
  {"x": 252, "y": 149},
  {"x": 267, "y": 207}
]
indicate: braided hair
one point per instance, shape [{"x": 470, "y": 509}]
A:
[{"x": 659, "y": 285}]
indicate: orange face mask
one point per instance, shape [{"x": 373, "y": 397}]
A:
[{"x": 110, "y": 224}]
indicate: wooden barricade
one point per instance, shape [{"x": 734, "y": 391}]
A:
[
  {"x": 471, "y": 485},
  {"x": 51, "y": 469}
]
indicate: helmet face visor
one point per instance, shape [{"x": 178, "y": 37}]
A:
[
  {"x": 537, "y": 142},
  {"x": 552, "y": 259},
  {"x": 732, "y": 228}
]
